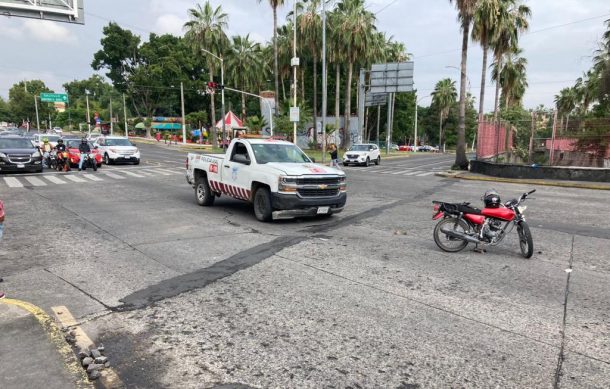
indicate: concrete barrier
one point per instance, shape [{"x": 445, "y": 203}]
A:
[{"x": 541, "y": 172}]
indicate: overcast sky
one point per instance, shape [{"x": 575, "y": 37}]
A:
[{"x": 559, "y": 46}]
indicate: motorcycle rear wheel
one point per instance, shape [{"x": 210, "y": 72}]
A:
[
  {"x": 526, "y": 242},
  {"x": 446, "y": 243}
]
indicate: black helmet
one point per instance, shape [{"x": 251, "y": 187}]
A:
[
  {"x": 491, "y": 198},
  {"x": 83, "y": 140},
  {"x": 60, "y": 140}
]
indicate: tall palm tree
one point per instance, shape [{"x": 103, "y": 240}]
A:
[
  {"x": 512, "y": 20},
  {"x": 284, "y": 44},
  {"x": 587, "y": 90},
  {"x": 444, "y": 96},
  {"x": 484, "y": 21},
  {"x": 336, "y": 56},
  {"x": 206, "y": 30},
  {"x": 310, "y": 28},
  {"x": 565, "y": 102},
  {"x": 466, "y": 9},
  {"x": 274, "y": 5},
  {"x": 357, "y": 30},
  {"x": 511, "y": 77},
  {"x": 246, "y": 66}
]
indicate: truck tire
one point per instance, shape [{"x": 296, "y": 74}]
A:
[
  {"x": 203, "y": 193},
  {"x": 262, "y": 205}
]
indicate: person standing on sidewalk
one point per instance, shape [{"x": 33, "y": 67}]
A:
[{"x": 1, "y": 232}]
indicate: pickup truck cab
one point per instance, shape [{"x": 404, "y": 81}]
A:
[{"x": 277, "y": 177}]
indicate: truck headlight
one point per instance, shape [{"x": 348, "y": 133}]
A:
[
  {"x": 343, "y": 183},
  {"x": 2, "y": 155},
  {"x": 287, "y": 184}
]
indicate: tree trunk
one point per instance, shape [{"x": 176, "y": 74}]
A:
[
  {"x": 315, "y": 99},
  {"x": 483, "y": 81},
  {"x": 275, "y": 65},
  {"x": 460, "y": 156},
  {"x": 214, "y": 133},
  {"x": 348, "y": 103},
  {"x": 440, "y": 132},
  {"x": 303, "y": 84},
  {"x": 337, "y": 98},
  {"x": 283, "y": 89},
  {"x": 497, "y": 100}
]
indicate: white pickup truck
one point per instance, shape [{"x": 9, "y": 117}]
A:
[{"x": 276, "y": 176}]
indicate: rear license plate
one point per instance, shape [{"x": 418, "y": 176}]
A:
[
  {"x": 20, "y": 166},
  {"x": 323, "y": 210}
]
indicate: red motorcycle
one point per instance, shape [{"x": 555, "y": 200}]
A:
[{"x": 462, "y": 224}]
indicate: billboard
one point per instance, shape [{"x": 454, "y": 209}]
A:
[{"x": 67, "y": 11}]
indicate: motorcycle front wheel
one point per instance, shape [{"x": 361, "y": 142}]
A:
[
  {"x": 526, "y": 242},
  {"x": 447, "y": 243}
]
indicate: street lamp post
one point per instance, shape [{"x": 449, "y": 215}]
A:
[
  {"x": 222, "y": 91},
  {"x": 125, "y": 116},
  {"x": 88, "y": 117},
  {"x": 262, "y": 99}
]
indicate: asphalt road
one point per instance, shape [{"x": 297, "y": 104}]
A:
[{"x": 189, "y": 297}]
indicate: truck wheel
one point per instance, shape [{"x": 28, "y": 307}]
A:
[
  {"x": 262, "y": 205},
  {"x": 203, "y": 194}
]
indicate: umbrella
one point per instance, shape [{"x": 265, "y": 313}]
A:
[{"x": 231, "y": 121}]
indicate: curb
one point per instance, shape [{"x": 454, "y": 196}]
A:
[
  {"x": 576, "y": 185},
  {"x": 57, "y": 339}
]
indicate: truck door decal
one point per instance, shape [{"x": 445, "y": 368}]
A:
[{"x": 233, "y": 191}]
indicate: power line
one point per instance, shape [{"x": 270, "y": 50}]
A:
[{"x": 385, "y": 7}]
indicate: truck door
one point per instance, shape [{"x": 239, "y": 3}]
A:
[{"x": 236, "y": 172}]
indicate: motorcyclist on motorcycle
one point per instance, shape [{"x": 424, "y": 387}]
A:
[
  {"x": 84, "y": 150},
  {"x": 61, "y": 147},
  {"x": 46, "y": 151},
  {"x": 61, "y": 152}
]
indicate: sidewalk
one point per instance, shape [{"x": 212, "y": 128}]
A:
[
  {"x": 33, "y": 351},
  {"x": 558, "y": 183}
]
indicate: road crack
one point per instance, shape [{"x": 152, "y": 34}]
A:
[{"x": 561, "y": 356}]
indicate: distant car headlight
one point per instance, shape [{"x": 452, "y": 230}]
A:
[{"x": 2, "y": 155}]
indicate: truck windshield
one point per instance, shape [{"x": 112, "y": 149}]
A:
[{"x": 267, "y": 153}]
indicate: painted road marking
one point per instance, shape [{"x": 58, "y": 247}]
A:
[
  {"x": 401, "y": 172},
  {"x": 115, "y": 176},
  {"x": 55, "y": 180},
  {"x": 413, "y": 173},
  {"x": 72, "y": 366},
  {"x": 162, "y": 172},
  {"x": 12, "y": 182},
  {"x": 74, "y": 178},
  {"x": 36, "y": 181},
  {"x": 133, "y": 174},
  {"x": 425, "y": 174},
  {"x": 165, "y": 170},
  {"x": 92, "y": 177}
]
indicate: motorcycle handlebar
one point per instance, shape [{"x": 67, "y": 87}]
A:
[{"x": 533, "y": 191}]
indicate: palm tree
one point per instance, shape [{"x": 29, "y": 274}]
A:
[
  {"x": 484, "y": 21},
  {"x": 310, "y": 27},
  {"x": 565, "y": 102},
  {"x": 466, "y": 9},
  {"x": 356, "y": 29},
  {"x": 511, "y": 77},
  {"x": 274, "y": 5},
  {"x": 587, "y": 90},
  {"x": 443, "y": 97},
  {"x": 246, "y": 66},
  {"x": 511, "y": 21},
  {"x": 336, "y": 56},
  {"x": 205, "y": 30}
]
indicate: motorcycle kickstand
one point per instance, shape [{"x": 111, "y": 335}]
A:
[{"x": 479, "y": 250}]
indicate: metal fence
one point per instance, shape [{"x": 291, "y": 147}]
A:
[{"x": 547, "y": 140}]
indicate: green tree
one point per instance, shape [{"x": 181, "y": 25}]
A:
[
  {"x": 484, "y": 22},
  {"x": 274, "y": 5},
  {"x": 5, "y": 112},
  {"x": 444, "y": 96},
  {"x": 466, "y": 9},
  {"x": 246, "y": 66},
  {"x": 206, "y": 30},
  {"x": 22, "y": 101},
  {"x": 511, "y": 77}
]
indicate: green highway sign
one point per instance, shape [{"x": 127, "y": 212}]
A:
[{"x": 54, "y": 97}]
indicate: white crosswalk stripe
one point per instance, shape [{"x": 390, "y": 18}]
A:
[
  {"x": 401, "y": 172},
  {"x": 412, "y": 173},
  {"x": 35, "y": 181},
  {"x": 74, "y": 178},
  {"x": 425, "y": 174},
  {"x": 92, "y": 177},
  {"x": 165, "y": 170},
  {"x": 55, "y": 180},
  {"x": 162, "y": 172},
  {"x": 12, "y": 182},
  {"x": 115, "y": 176},
  {"x": 133, "y": 174}
]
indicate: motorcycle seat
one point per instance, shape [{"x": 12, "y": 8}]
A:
[{"x": 457, "y": 208}]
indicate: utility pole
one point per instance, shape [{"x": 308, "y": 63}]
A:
[
  {"x": 324, "y": 82},
  {"x": 378, "y": 120},
  {"x": 388, "y": 125},
  {"x": 222, "y": 93},
  {"x": 36, "y": 107},
  {"x": 183, "y": 117},
  {"x": 111, "y": 118},
  {"x": 530, "y": 156},
  {"x": 125, "y": 116},
  {"x": 88, "y": 117},
  {"x": 295, "y": 64}
]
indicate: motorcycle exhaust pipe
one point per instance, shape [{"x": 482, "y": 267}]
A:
[{"x": 461, "y": 236}]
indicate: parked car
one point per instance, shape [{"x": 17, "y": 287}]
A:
[
  {"x": 57, "y": 130},
  {"x": 393, "y": 146},
  {"x": 117, "y": 149},
  {"x": 18, "y": 154},
  {"x": 74, "y": 153},
  {"x": 362, "y": 154}
]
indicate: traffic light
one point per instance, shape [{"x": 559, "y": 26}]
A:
[{"x": 215, "y": 86}]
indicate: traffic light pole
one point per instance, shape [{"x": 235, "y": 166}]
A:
[
  {"x": 262, "y": 99},
  {"x": 222, "y": 93}
]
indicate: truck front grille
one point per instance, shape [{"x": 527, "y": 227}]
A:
[{"x": 318, "y": 192}]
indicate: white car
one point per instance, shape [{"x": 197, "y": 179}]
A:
[
  {"x": 38, "y": 139},
  {"x": 93, "y": 136},
  {"x": 362, "y": 154},
  {"x": 117, "y": 149},
  {"x": 57, "y": 130}
]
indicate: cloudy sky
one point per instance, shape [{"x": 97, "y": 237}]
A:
[{"x": 559, "y": 46}]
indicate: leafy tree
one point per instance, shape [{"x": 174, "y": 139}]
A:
[
  {"x": 5, "y": 112},
  {"x": 21, "y": 101}
]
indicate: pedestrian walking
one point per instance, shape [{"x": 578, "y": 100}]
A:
[
  {"x": 334, "y": 156},
  {"x": 158, "y": 136}
]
